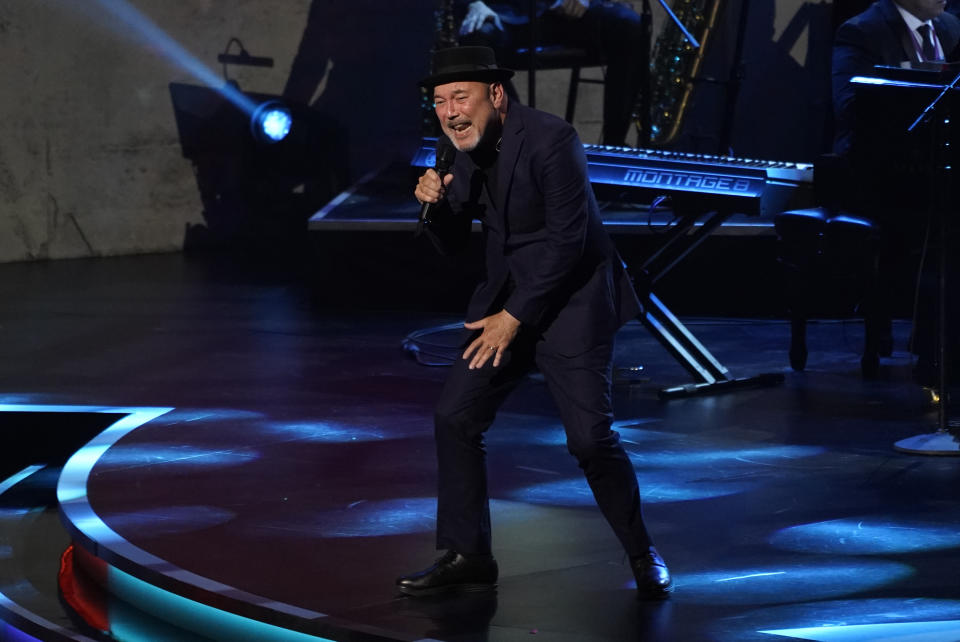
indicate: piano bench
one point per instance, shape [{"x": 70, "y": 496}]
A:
[{"x": 823, "y": 249}]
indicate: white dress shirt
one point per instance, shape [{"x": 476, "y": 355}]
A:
[{"x": 912, "y": 24}]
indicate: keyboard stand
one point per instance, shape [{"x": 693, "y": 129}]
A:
[{"x": 709, "y": 374}]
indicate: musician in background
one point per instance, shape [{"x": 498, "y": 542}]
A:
[
  {"x": 891, "y": 33},
  {"x": 888, "y": 33},
  {"x": 611, "y": 29}
]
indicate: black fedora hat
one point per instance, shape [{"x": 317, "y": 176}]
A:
[{"x": 465, "y": 63}]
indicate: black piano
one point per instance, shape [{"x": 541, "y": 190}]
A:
[
  {"x": 892, "y": 171},
  {"x": 902, "y": 170}
]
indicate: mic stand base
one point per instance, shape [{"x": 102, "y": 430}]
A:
[
  {"x": 764, "y": 380},
  {"x": 938, "y": 443}
]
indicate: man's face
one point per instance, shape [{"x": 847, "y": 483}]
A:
[
  {"x": 467, "y": 111},
  {"x": 924, "y": 9}
]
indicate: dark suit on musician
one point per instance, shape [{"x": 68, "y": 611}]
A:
[
  {"x": 551, "y": 265},
  {"x": 878, "y": 36}
]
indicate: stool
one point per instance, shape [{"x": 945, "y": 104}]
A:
[
  {"x": 536, "y": 56},
  {"x": 820, "y": 246},
  {"x": 552, "y": 57}
]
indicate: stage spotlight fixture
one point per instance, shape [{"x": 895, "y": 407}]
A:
[{"x": 271, "y": 122}]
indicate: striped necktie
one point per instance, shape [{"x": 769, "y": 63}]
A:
[{"x": 928, "y": 48}]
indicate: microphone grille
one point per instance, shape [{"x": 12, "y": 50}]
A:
[{"x": 446, "y": 153}]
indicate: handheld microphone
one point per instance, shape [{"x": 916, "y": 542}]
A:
[{"x": 446, "y": 153}]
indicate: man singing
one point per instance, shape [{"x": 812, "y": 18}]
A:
[{"x": 554, "y": 294}]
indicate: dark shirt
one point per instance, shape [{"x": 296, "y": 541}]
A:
[
  {"x": 488, "y": 165},
  {"x": 486, "y": 160}
]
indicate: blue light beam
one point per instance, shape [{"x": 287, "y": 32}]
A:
[
  {"x": 174, "y": 52},
  {"x": 837, "y": 614},
  {"x": 868, "y": 535},
  {"x": 827, "y": 578},
  {"x": 894, "y": 632}
]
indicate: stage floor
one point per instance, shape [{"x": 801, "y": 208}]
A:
[{"x": 280, "y": 466}]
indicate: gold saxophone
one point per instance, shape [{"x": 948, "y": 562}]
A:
[{"x": 675, "y": 64}]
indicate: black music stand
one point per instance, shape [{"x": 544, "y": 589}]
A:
[
  {"x": 935, "y": 115},
  {"x": 897, "y": 147}
]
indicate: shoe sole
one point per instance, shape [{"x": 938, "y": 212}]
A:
[
  {"x": 449, "y": 589},
  {"x": 655, "y": 594}
]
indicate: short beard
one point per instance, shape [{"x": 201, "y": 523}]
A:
[
  {"x": 468, "y": 147},
  {"x": 486, "y": 141}
]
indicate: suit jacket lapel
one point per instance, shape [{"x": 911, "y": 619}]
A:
[
  {"x": 948, "y": 39},
  {"x": 509, "y": 154}
]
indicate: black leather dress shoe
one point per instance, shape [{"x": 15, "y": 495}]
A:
[
  {"x": 452, "y": 573},
  {"x": 653, "y": 578}
]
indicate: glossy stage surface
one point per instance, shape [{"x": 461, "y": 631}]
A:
[{"x": 276, "y": 462}]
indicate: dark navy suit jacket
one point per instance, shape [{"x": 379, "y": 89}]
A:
[
  {"x": 878, "y": 36},
  {"x": 544, "y": 236}
]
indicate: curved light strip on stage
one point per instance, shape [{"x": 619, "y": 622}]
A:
[
  {"x": 13, "y": 614},
  {"x": 870, "y": 535},
  {"x": 189, "y": 614},
  {"x": 19, "y": 616},
  {"x": 144, "y": 580}
]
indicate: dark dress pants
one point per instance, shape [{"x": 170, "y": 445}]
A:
[
  {"x": 611, "y": 29},
  {"x": 580, "y": 387}
]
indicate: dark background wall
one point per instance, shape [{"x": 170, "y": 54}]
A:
[
  {"x": 782, "y": 108},
  {"x": 92, "y": 162}
]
